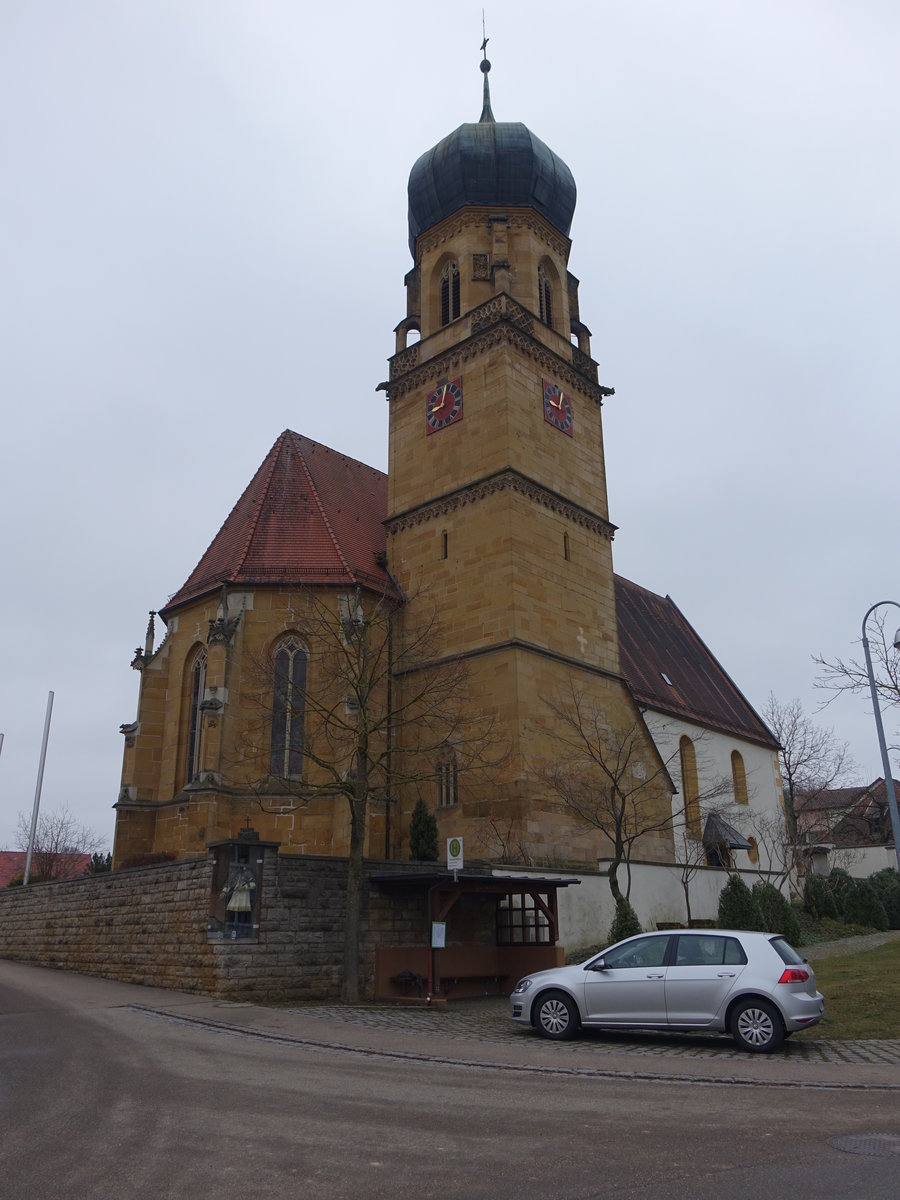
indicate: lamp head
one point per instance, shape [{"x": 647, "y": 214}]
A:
[{"x": 897, "y": 640}]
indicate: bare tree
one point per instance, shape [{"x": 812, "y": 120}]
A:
[
  {"x": 607, "y": 778},
  {"x": 839, "y": 676},
  {"x": 779, "y": 848},
  {"x": 382, "y": 707},
  {"x": 812, "y": 758},
  {"x": 692, "y": 856},
  {"x": 60, "y": 844}
]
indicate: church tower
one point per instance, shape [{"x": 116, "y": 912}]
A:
[{"x": 497, "y": 506}]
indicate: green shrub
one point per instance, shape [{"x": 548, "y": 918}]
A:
[
  {"x": 148, "y": 860},
  {"x": 818, "y": 899},
  {"x": 625, "y": 923},
  {"x": 842, "y": 886},
  {"x": 864, "y": 907},
  {"x": 423, "y": 834},
  {"x": 887, "y": 887},
  {"x": 737, "y": 907},
  {"x": 777, "y": 912}
]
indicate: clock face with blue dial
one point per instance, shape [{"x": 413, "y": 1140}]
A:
[
  {"x": 444, "y": 406},
  {"x": 558, "y": 407}
]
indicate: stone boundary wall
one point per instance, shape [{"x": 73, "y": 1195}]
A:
[{"x": 149, "y": 926}]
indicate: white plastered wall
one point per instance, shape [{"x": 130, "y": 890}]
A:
[{"x": 758, "y": 819}]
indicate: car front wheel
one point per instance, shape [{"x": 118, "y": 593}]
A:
[
  {"x": 757, "y": 1026},
  {"x": 556, "y": 1016}
]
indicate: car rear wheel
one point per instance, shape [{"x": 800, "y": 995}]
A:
[
  {"x": 556, "y": 1016},
  {"x": 757, "y": 1026}
]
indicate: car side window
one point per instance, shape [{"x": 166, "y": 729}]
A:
[
  {"x": 644, "y": 952},
  {"x": 734, "y": 952},
  {"x": 707, "y": 950}
]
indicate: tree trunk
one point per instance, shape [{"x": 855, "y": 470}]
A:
[
  {"x": 350, "y": 981},
  {"x": 686, "y": 884}
]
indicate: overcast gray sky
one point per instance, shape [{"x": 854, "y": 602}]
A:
[{"x": 203, "y": 242}]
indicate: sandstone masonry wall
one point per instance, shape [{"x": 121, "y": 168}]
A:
[{"x": 149, "y": 926}]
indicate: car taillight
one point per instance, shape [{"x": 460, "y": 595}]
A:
[{"x": 794, "y": 975}]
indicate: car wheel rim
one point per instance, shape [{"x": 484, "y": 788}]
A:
[
  {"x": 756, "y": 1027},
  {"x": 554, "y": 1016}
]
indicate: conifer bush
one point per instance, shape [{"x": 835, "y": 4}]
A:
[
  {"x": 818, "y": 899},
  {"x": 423, "y": 834},
  {"x": 864, "y": 906},
  {"x": 737, "y": 907},
  {"x": 842, "y": 886},
  {"x": 887, "y": 887},
  {"x": 777, "y": 912},
  {"x": 625, "y": 923}
]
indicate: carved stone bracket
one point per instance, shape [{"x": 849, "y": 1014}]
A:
[
  {"x": 497, "y": 321},
  {"x": 504, "y": 481}
]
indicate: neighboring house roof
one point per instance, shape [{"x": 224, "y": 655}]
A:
[
  {"x": 309, "y": 516},
  {"x": 12, "y": 863},
  {"x": 670, "y": 669},
  {"x": 849, "y": 816}
]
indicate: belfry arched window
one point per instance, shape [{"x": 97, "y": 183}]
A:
[
  {"x": 545, "y": 297},
  {"x": 195, "y": 727},
  {"x": 446, "y": 782},
  {"x": 449, "y": 293},
  {"x": 288, "y": 707},
  {"x": 690, "y": 788}
]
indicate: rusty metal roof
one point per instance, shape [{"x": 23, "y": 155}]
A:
[{"x": 671, "y": 670}]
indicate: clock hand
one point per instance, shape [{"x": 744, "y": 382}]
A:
[
  {"x": 557, "y": 403},
  {"x": 437, "y": 407}
]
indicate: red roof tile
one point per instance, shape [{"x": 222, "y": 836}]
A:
[
  {"x": 12, "y": 863},
  {"x": 309, "y": 515},
  {"x": 670, "y": 669}
]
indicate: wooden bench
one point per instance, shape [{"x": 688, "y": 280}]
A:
[{"x": 449, "y": 982}]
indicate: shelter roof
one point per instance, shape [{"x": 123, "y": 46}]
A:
[
  {"x": 309, "y": 515},
  {"x": 670, "y": 669}
]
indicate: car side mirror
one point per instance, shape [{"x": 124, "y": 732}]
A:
[{"x": 598, "y": 964}]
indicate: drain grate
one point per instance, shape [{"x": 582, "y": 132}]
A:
[{"x": 881, "y": 1144}]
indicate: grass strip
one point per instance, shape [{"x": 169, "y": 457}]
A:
[{"x": 862, "y": 993}]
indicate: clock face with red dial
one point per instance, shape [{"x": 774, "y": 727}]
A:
[
  {"x": 444, "y": 406},
  {"x": 558, "y": 407}
]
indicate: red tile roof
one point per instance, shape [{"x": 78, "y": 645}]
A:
[
  {"x": 12, "y": 863},
  {"x": 309, "y": 515},
  {"x": 670, "y": 669}
]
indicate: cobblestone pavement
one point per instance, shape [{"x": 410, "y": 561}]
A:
[{"x": 488, "y": 1022}]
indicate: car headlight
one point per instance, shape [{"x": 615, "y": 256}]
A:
[{"x": 522, "y": 986}]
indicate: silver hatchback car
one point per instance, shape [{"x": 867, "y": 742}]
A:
[{"x": 752, "y": 985}]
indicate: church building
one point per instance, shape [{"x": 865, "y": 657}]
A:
[{"x": 457, "y": 622}]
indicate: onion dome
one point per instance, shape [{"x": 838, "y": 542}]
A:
[{"x": 492, "y": 163}]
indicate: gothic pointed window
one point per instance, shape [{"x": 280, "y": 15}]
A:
[
  {"x": 449, "y": 293},
  {"x": 195, "y": 726},
  {"x": 690, "y": 788},
  {"x": 545, "y": 297},
  {"x": 288, "y": 707}
]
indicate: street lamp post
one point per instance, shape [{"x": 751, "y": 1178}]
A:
[{"x": 885, "y": 762}]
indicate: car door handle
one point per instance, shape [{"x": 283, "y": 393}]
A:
[
  {"x": 727, "y": 974},
  {"x": 661, "y": 975}
]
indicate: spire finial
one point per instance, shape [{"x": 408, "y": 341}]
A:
[{"x": 486, "y": 114}]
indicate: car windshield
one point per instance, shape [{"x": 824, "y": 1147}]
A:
[{"x": 786, "y": 952}]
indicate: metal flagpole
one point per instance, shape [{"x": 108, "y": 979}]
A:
[{"x": 37, "y": 790}]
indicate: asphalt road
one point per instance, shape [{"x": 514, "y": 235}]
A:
[{"x": 99, "y": 1098}]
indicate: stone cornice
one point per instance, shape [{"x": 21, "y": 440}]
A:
[
  {"x": 515, "y": 644},
  {"x": 501, "y": 320},
  {"x": 516, "y": 218},
  {"x": 503, "y": 481}
]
